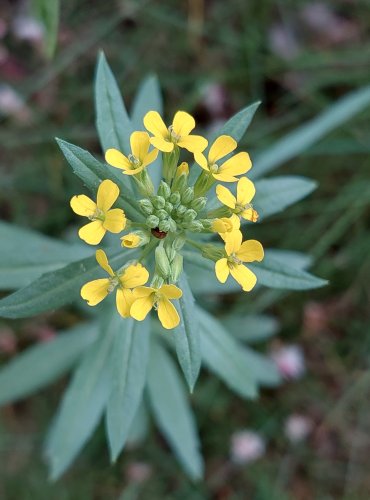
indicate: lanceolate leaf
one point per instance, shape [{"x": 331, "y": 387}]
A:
[
  {"x": 223, "y": 355},
  {"x": 239, "y": 123},
  {"x": 42, "y": 364},
  {"x": 84, "y": 401},
  {"x": 172, "y": 413},
  {"x": 129, "y": 363},
  {"x": 55, "y": 289},
  {"x": 186, "y": 335},
  {"x": 256, "y": 328},
  {"x": 92, "y": 172},
  {"x": 40, "y": 255},
  {"x": 48, "y": 13}
]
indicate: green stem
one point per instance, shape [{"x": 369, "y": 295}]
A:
[{"x": 148, "y": 248}]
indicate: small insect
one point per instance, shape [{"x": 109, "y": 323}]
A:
[{"x": 157, "y": 233}]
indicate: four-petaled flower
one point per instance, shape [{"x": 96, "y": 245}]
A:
[
  {"x": 236, "y": 165},
  {"x": 124, "y": 281},
  {"x": 240, "y": 205},
  {"x": 178, "y": 133},
  {"x": 145, "y": 298},
  {"x": 139, "y": 158},
  {"x": 237, "y": 253},
  {"x": 102, "y": 217}
]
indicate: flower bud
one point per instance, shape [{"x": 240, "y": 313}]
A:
[
  {"x": 199, "y": 203},
  {"x": 196, "y": 226},
  {"x": 173, "y": 225},
  {"x": 187, "y": 195},
  {"x": 164, "y": 190},
  {"x": 176, "y": 267},
  {"x": 152, "y": 221},
  {"x": 180, "y": 210},
  {"x": 190, "y": 215},
  {"x": 135, "y": 239},
  {"x": 183, "y": 168},
  {"x": 175, "y": 198},
  {"x": 161, "y": 214},
  {"x": 146, "y": 206},
  {"x": 168, "y": 207},
  {"x": 158, "y": 201},
  {"x": 179, "y": 242},
  {"x": 162, "y": 263},
  {"x": 180, "y": 183},
  {"x": 207, "y": 223},
  {"x": 171, "y": 252},
  {"x": 164, "y": 225},
  {"x": 157, "y": 281}
]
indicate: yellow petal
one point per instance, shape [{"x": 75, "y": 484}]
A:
[
  {"x": 154, "y": 123},
  {"x": 115, "y": 220},
  {"x": 139, "y": 142},
  {"x": 225, "y": 196},
  {"x": 133, "y": 171},
  {"x": 116, "y": 159},
  {"x": 234, "y": 226},
  {"x": 201, "y": 160},
  {"x": 225, "y": 177},
  {"x": 143, "y": 291},
  {"x": 150, "y": 157},
  {"x": 141, "y": 307},
  {"x": 222, "y": 146},
  {"x": 250, "y": 251},
  {"x": 171, "y": 291},
  {"x": 92, "y": 233},
  {"x": 193, "y": 143},
  {"x": 222, "y": 270},
  {"x": 82, "y": 205},
  {"x": 161, "y": 144},
  {"x": 233, "y": 241},
  {"x": 236, "y": 165},
  {"x": 124, "y": 301},
  {"x": 222, "y": 225},
  {"x": 250, "y": 214},
  {"x": 245, "y": 191},
  {"x": 102, "y": 260},
  {"x": 244, "y": 277},
  {"x": 167, "y": 314},
  {"x": 95, "y": 291},
  {"x": 131, "y": 240},
  {"x": 183, "y": 168},
  {"x": 108, "y": 192},
  {"x": 133, "y": 276},
  {"x": 183, "y": 123}
]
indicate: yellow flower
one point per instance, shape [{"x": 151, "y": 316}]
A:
[
  {"x": 236, "y": 165},
  {"x": 178, "y": 133},
  {"x": 131, "y": 240},
  {"x": 130, "y": 277},
  {"x": 226, "y": 225},
  {"x": 145, "y": 298},
  {"x": 103, "y": 218},
  {"x": 139, "y": 158},
  {"x": 183, "y": 168},
  {"x": 237, "y": 253},
  {"x": 240, "y": 204}
]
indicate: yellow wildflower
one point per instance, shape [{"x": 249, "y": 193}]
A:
[
  {"x": 130, "y": 277},
  {"x": 145, "y": 298},
  {"x": 240, "y": 204},
  {"x": 139, "y": 158},
  {"x": 100, "y": 213},
  {"x": 236, "y": 165},
  {"x": 131, "y": 240},
  {"x": 237, "y": 253},
  {"x": 225, "y": 225},
  {"x": 178, "y": 133}
]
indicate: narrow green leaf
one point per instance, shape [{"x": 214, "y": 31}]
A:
[
  {"x": 112, "y": 121},
  {"x": 256, "y": 328},
  {"x": 43, "y": 363},
  {"x": 139, "y": 426},
  {"x": 186, "y": 335},
  {"x": 47, "y": 12},
  {"x": 92, "y": 172},
  {"x": 224, "y": 356},
  {"x": 294, "y": 143},
  {"x": 57, "y": 288},
  {"x": 41, "y": 254},
  {"x": 84, "y": 401},
  {"x": 148, "y": 98},
  {"x": 263, "y": 369},
  {"x": 238, "y": 124},
  {"x": 275, "y": 194},
  {"x": 171, "y": 410},
  {"x": 298, "y": 260},
  {"x": 130, "y": 358}
]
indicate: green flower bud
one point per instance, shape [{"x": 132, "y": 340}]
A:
[
  {"x": 152, "y": 221},
  {"x": 171, "y": 253},
  {"x": 162, "y": 263},
  {"x": 175, "y": 198},
  {"x": 173, "y": 225},
  {"x": 187, "y": 195},
  {"x": 168, "y": 207},
  {"x": 158, "y": 201},
  {"x": 204, "y": 183},
  {"x": 176, "y": 267},
  {"x": 180, "y": 183},
  {"x": 179, "y": 242},
  {"x": 190, "y": 215},
  {"x": 157, "y": 281},
  {"x": 199, "y": 203},
  {"x": 146, "y": 206},
  {"x": 196, "y": 226},
  {"x": 164, "y": 190},
  {"x": 207, "y": 223},
  {"x": 164, "y": 225},
  {"x": 161, "y": 214},
  {"x": 180, "y": 210}
]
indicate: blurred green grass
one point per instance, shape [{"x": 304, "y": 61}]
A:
[{"x": 189, "y": 45}]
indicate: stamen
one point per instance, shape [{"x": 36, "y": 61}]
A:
[
  {"x": 214, "y": 168},
  {"x": 174, "y": 137},
  {"x": 134, "y": 160},
  {"x": 97, "y": 215}
]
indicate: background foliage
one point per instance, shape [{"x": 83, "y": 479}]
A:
[{"x": 263, "y": 51}]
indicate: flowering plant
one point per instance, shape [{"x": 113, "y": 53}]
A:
[{"x": 169, "y": 228}]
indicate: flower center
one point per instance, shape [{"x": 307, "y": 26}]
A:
[
  {"x": 233, "y": 260},
  {"x": 173, "y": 136},
  {"x": 113, "y": 283},
  {"x": 214, "y": 168},
  {"x": 134, "y": 160},
  {"x": 97, "y": 215}
]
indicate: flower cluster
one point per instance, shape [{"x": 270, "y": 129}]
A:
[{"x": 171, "y": 215}]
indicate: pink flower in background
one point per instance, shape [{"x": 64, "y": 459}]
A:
[
  {"x": 27, "y": 29},
  {"x": 8, "y": 341},
  {"x": 297, "y": 427},
  {"x": 138, "y": 472},
  {"x": 289, "y": 361},
  {"x": 246, "y": 447},
  {"x": 11, "y": 103}
]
